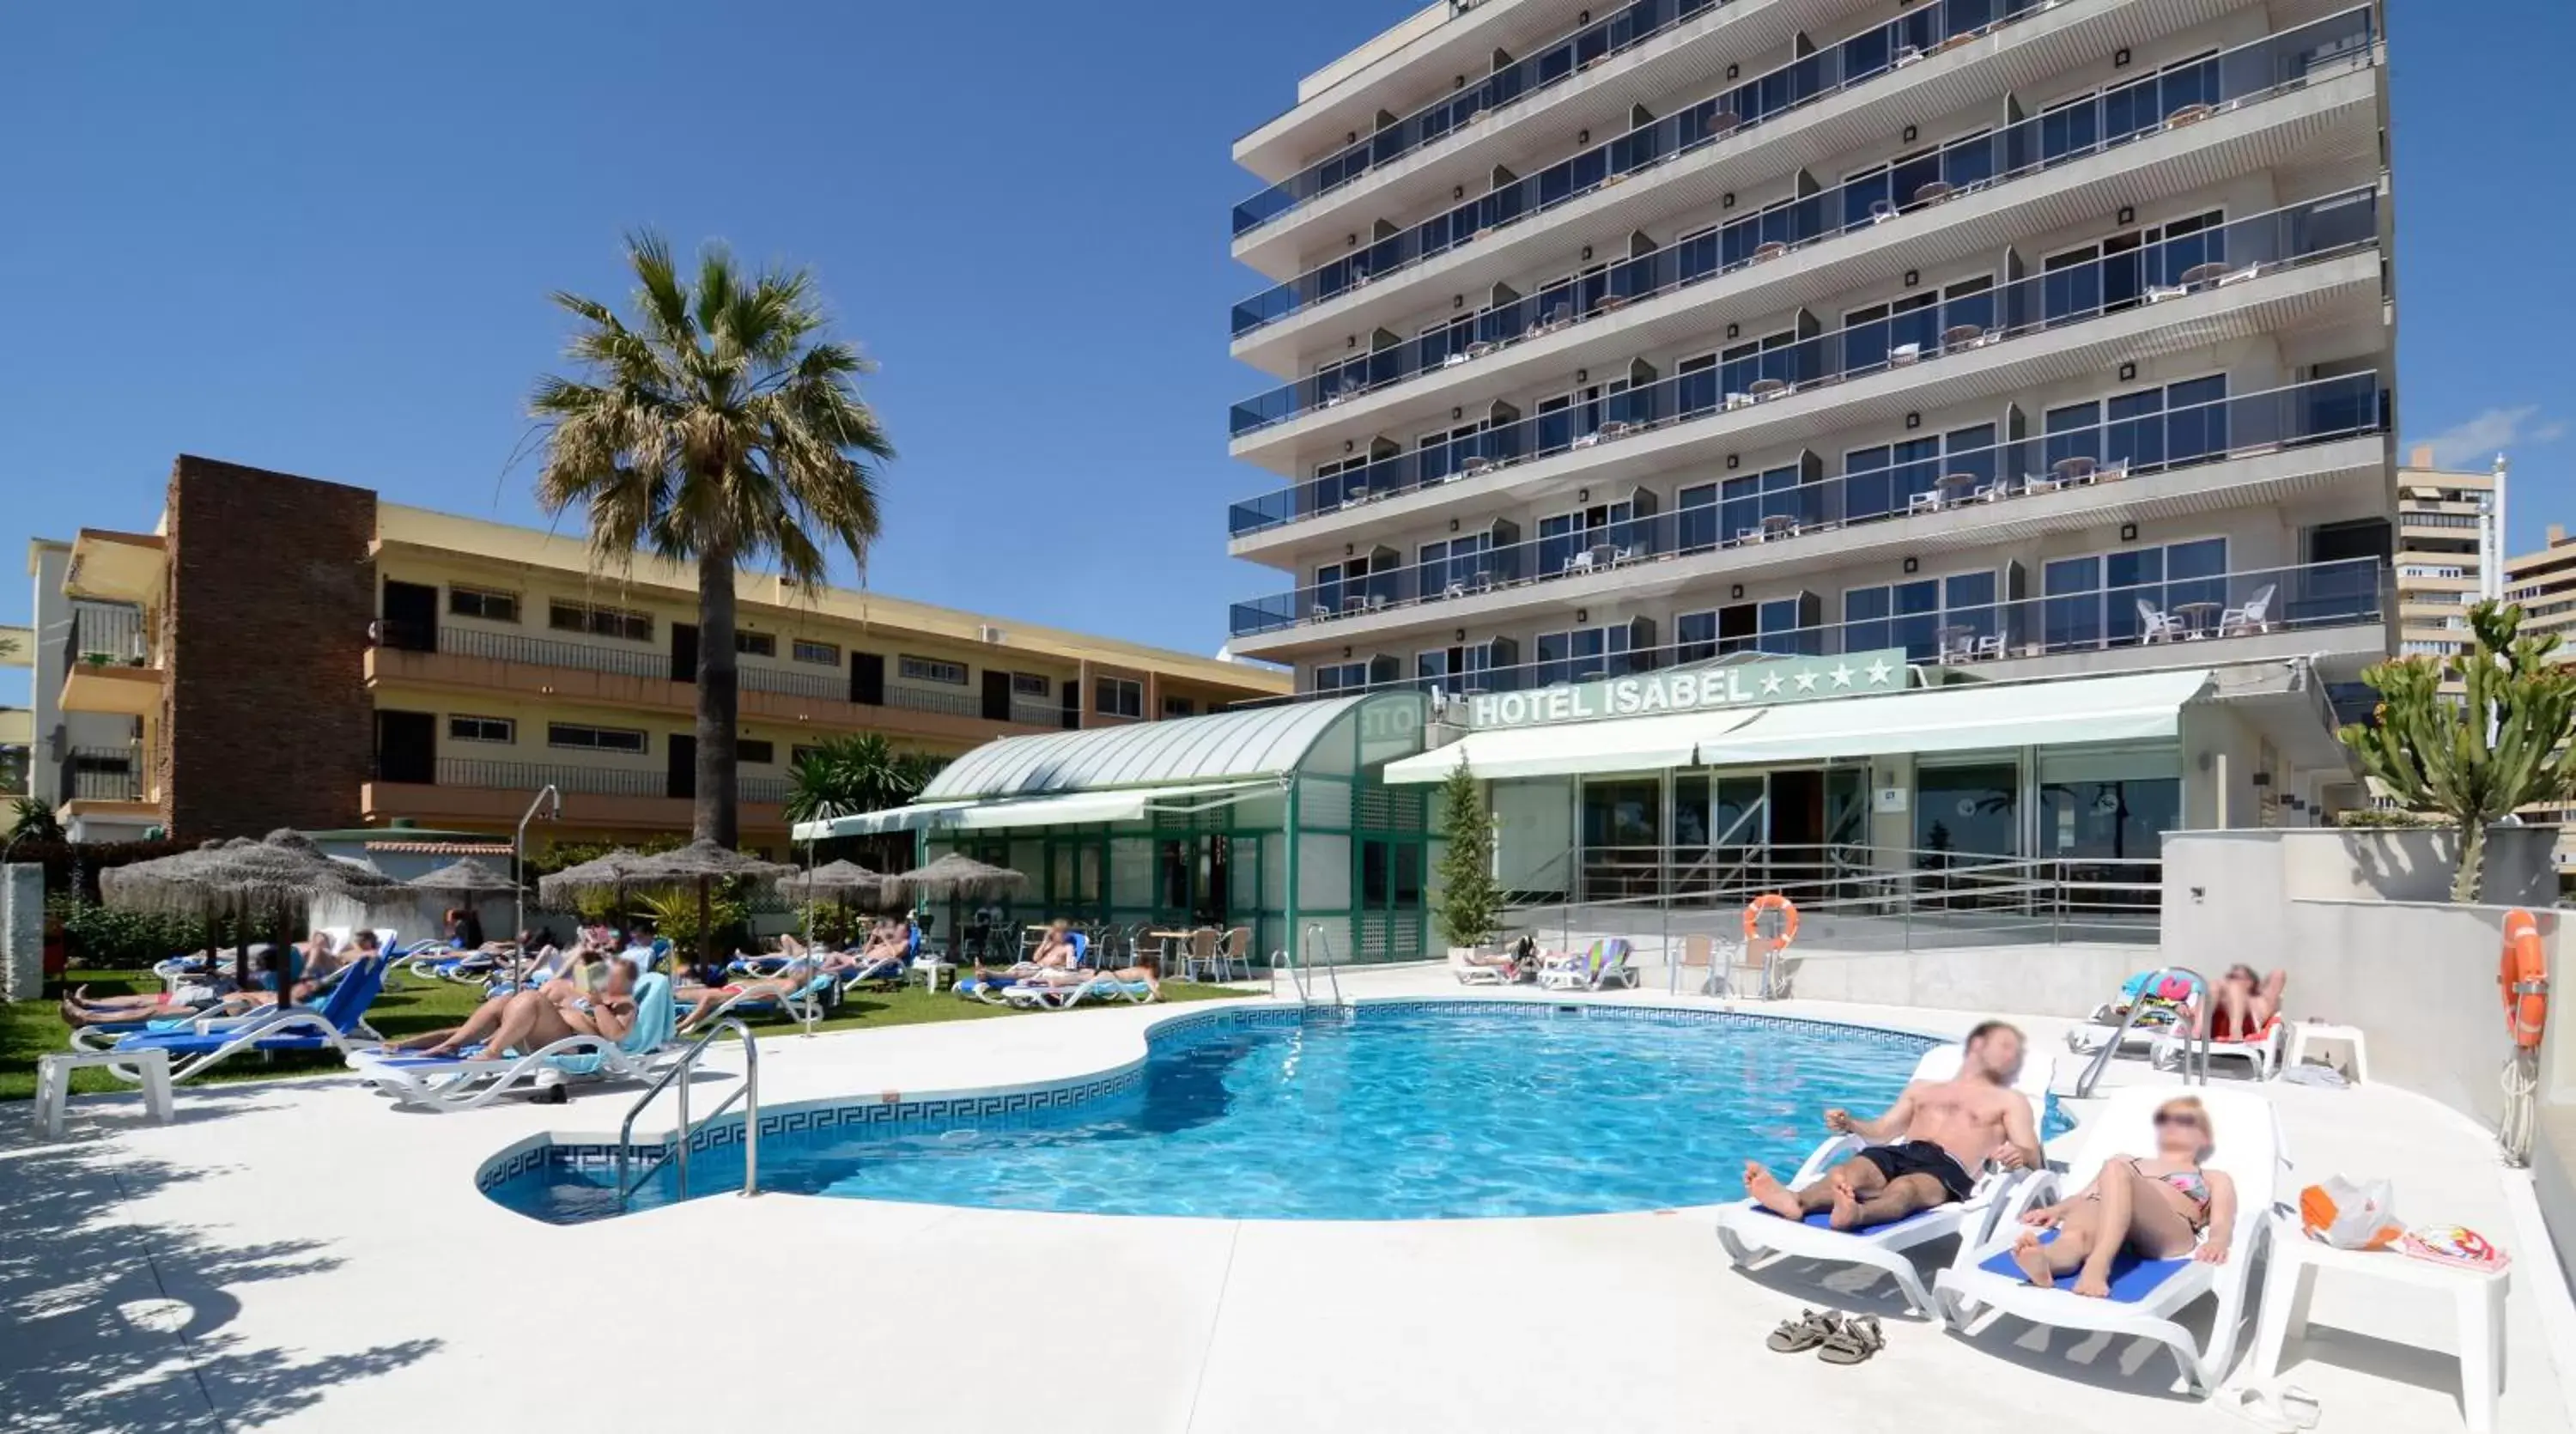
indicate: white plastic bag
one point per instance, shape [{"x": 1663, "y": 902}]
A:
[{"x": 2351, "y": 1214}]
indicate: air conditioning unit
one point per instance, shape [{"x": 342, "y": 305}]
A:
[{"x": 989, "y": 633}]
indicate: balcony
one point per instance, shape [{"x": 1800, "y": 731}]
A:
[
  {"x": 2198, "y": 289},
  {"x": 466, "y": 790},
  {"x": 1901, "y": 42},
  {"x": 1580, "y": 51},
  {"x": 2256, "y": 447},
  {"x": 117, "y": 567},
  {"x": 2216, "y": 618},
  {"x": 589, "y": 674},
  {"x": 104, "y": 774},
  {"x": 108, "y": 661},
  {"x": 2185, "y": 97}
]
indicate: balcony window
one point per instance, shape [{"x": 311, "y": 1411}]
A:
[
  {"x": 1179, "y": 707},
  {"x": 1118, "y": 696},
  {"x": 1341, "y": 677},
  {"x": 932, "y": 669},
  {"x": 599, "y": 621},
  {"x": 821, "y": 654},
  {"x": 2074, "y": 286},
  {"x": 753, "y": 752},
  {"x": 1921, "y": 615},
  {"x": 583, "y": 738},
  {"x": 1032, "y": 684},
  {"x": 1589, "y": 652},
  {"x": 1463, "y": 668},
  {"x": 1457, "y": 566},
  {"x": 483, "y": 603},
  {"x": 756, "y": 644},
  {"x": 2096, "y": 600},
  {"x": 482, "y": 729},
  {"x": 2176, "y": 423}
]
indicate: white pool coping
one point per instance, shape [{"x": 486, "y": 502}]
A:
[{"x": 299, "y": 1255}]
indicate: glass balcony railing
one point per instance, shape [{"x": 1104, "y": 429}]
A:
[
  {"x": 2151, "y": 105},
  {"x": 1920, "y": 330},
  {"x": 1765, "y": 97},
  {"x": 2178, "y": 610},
  {"x": 1903, "y": 480},
  {"x": 1552, "y": 65}
]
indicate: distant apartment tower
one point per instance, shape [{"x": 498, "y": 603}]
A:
[
  {"x": 2449, "y": 553},
  {"x": 2544, "y": 583},
  {"x": 2041, "y": 340}
]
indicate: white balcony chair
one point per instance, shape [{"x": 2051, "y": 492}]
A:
[
  {"x": 1579, "y": 563},
  {"x": 2255, "y": 616},
  {"x": 1928, "y": 501},
  {"x": 2156, "y": 626}
]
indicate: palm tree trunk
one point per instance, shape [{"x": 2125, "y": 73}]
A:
[
  {"x": 2473, "y": 860},
  {"x": 715, "y": 815}
]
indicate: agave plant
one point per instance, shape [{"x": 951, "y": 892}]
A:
[{"x": 2475, "y": 759}]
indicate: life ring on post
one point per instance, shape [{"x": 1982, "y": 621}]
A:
[
  {"x": 2524, "y": 977},
  {"x": 1770, "y": 901}
]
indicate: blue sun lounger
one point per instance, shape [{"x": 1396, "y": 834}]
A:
[
  {"x": 198, "y": 1046},
  {"x": 462, "y": 1082}
]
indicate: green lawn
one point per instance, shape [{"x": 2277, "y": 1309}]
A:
[{"x": 410, "y": 1006}]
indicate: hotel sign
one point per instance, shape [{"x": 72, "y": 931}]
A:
[{"x": 1700, "y": 689}]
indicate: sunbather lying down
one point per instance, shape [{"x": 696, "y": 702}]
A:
[
  {"x": 558, "y": 1010},
  {"x": 1931, "y": 1143},
  {"x": 218, "y": 995},
  {"x": 1060, "y": 976},
  {"x": 786, "y": 981},
  {"x": 2160, "y": 1214}
]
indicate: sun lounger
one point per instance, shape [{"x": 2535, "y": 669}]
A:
[
  {"x": 2146, "y": 1295},
  {"x": 478, "y": 1076},
  {"x": 1064, "y": 995},
  {"x": 991, "y": 990},
  {"x": 1473, "y": 973},
  {"x": 1749, "y": 1232},
  {"x": 1603, "y": 964},
  {"x": 2263, "y": 1052},
  {"x": 197, "y": 1046}
]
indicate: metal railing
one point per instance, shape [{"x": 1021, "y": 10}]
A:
[
  {"x": 1741, "y": 106},
  {"x": 104, "y": 774},
  {"x": 536, "y": 651},
  {"x": 105, "y": 633},
  {"x": 1791, "y": 503},
  {"x": 582, "y": 781},
  {"x": 2183, "y": 95},
  {"x": 1962, "y": 322},
  {"x": 1301, "y": 967},
  {"x": 951, "y": 704},
  {"x": 2195, "y": 1050},
  {"x": 748, "y": 1093}
]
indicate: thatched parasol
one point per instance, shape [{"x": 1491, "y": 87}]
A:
[
  {"x": 837, "y": 881},
  {"x": 701, "y": 862},
  {"x": 465, "y": 877},
  {"x": 957, "y": 877},
  {"x": 269, "y": 882}
]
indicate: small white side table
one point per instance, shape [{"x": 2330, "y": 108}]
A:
[
  {"x": 2356, "y": 1047},
  {"x": 54, "y": 1082},
  {"x": 2290, "y": 1282}
]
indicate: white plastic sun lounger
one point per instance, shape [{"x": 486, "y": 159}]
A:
[
  {"x": 2265, "y": 1052},
  {"x": 1750, "y": 1232},
  {"x": 2146, "y": 1295},
  {"x": 448, "y": 1083}
]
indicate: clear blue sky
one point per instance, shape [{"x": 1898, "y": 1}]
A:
[{"x": 318, "y": 237}]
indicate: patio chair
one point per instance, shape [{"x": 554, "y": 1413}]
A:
[
  {"x": 1927, "y": 501},
  {"x": 463, "y": 1082},
  {"x": 2157, "y": 626},
  {"x": 2146, "y": 1295},
  {"x": 2264, "y": 1050},
  {"x": 1748, "y": 1232},
  {"x": 2255, "y": 616},
  {"x": 1602, "y": 965}
]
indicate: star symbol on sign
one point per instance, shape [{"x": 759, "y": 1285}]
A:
[
  {"x": 1771, "y": 685},
  {"x": 1878, "y": 672},
  {"x": 1806, "y": 682},
  {"x": 1842, "y": 674}
]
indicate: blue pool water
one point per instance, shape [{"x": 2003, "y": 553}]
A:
[{"x": 1405, "y": 1112}]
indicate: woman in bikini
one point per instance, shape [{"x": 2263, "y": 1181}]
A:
[
  {"x": 2157, "y": 1208},
  {"x": 2242, "y": 1007}
]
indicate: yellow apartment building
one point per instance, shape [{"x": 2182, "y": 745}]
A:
[{"x": 281, "y": 651}]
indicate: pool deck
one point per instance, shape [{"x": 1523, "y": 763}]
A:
[{"x": 299, "y": 1255}]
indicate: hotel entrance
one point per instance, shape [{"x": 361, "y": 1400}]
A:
[{"x": 1726, "y": 829}]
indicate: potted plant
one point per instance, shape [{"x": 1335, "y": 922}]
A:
[
  {"x": 1471, "y": 905},
  {"x": 95, "y": 659}
]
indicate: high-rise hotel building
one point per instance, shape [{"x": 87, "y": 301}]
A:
[{"x": 2048, "y": 342}]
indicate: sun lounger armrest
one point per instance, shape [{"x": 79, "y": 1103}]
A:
[
  {"x": 2018, "y": 1192},
  {"x": 1826, "y": 1156}
]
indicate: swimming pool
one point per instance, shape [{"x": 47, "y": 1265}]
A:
[{"x": 1388, "y": 1111}]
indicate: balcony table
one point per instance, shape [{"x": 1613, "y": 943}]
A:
[
  {"x": 1955, "y": 487},
  {"x": 2074, "y": 470},
  {"x": 2199, "y": 619},
  {"x": 2199, "y": 274}
]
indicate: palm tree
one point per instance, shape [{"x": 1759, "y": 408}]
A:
[{"x": 721, "y": 428}]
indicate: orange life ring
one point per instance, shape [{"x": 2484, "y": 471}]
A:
[
  {"x": 2524, "y": 979},
  {"x": 1771, "y": 901}
]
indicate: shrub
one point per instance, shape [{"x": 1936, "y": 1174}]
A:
[{"x": 108, "y": 938}]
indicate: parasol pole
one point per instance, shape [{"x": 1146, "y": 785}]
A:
[
  {"x": 552, "y": 800},
  {"x": 814, "y": 963}
]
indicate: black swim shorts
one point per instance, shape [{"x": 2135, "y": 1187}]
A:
[{"x": 1921, "y": 1157}]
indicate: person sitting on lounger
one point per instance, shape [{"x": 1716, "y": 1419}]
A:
[
  {"x": 704, "y": 996},
  {"x": 533, "y": 1019},
  {"x": 218, "y": 996},
  {"x": 2242, "y": 1007},
  {"x": 888, "y": 940},
  {"x": 1054, "y": 952},
  {"x": 1060, "y": 976},
  {"x": 1931, "y": 1143},
  {"x": 2156, "y": 1208}
]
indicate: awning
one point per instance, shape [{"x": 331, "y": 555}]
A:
[
  {"x": 1068, "y": 809},
  {"x": 1967, "y": 717},
  {"x": 1626, "y": 744}
]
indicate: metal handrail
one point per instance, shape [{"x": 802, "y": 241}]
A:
[
  {"x": 1278, "y": 960},
  {"x": 2102, "y": 1058},
  {"x": 748, "y": 1093},
  {"x": 1306, "y": 958}
]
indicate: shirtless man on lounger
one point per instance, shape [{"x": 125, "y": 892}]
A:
[{"x": 1928, "y": 1147}]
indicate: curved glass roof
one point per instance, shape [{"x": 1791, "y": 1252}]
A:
[{"x": 1260, "y": 742}]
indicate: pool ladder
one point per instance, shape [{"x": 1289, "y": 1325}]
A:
[
  {"x": 748, "y": 1093},
  {"x": 1301, "y": 970},
  {"x": 2102, "y": 1058}
]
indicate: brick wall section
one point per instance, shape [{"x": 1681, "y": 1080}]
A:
[{"x": 272, "y": 583}]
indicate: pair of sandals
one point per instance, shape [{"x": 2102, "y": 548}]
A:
[{"x": 1834, "y": 1338}]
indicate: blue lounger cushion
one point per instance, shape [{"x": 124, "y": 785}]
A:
[
  {"x": 1823, "y": 1219},
  {"x": 2132, "y": 1278}
]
